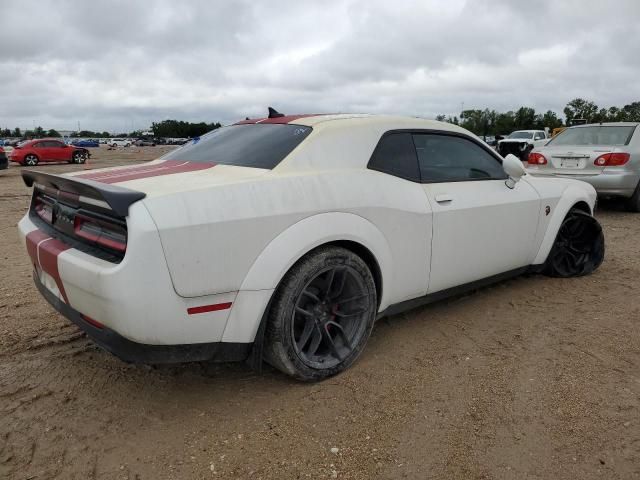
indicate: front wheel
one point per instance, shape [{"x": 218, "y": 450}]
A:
[
  {"x": 322, "y": 315},
  {"x": 579, "y": 246},
  {"x": 79, "y": 157}
]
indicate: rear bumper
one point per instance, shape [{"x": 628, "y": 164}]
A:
[
  {"x": 134, "y": 352},
  {"x": 608, "y": 183},
  {"x": 134, "y": 298}
]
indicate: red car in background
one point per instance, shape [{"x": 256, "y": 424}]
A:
[{"x": 32, "y": 152}]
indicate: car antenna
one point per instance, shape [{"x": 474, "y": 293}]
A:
[{"x": 273, "y": 113}]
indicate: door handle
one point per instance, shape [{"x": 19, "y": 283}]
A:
[{"x": 443, "y": 198}]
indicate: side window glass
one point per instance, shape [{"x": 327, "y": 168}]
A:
[
  {"x": 396, "y": 155},
  {"x": 539, "y": 136},
  {"x": 447, "y": 158}
]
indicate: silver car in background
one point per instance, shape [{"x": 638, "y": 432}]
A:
[{"x": 605, "y": 155}]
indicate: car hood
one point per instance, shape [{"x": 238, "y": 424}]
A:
[{"x": 166, "y": 177}]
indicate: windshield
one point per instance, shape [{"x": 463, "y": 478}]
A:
[
  {"x": 254, "y": 145},
  {"x": 595, "y": 135},
  {"x": 528, "y": 135}
]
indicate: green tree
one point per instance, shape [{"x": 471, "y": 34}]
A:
[
  {"x": 632, "y": 112},
  {"x": 548, "y": 119},
  {"x": 525, "y": 118},
  {"x": 16, "y": 132},
  {"x": 505, "y": 123},
  {"x": 182, "y": 129},
  {"x": 53, "y": 133},
  {"x": 580, "y": 108}
]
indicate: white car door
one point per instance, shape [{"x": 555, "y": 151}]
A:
[{"x": 480, "y": 226}]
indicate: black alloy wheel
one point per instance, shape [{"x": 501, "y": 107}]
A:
[
  {"x": 578, "y": 248},
  {"x": 322, "y": 314},
  {"x": 328, "y": 317}
]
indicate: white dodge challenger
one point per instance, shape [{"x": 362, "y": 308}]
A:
[{"x": 283, "y": 239}]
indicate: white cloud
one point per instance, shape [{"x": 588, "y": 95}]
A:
[{"x": 114, "y": 64}]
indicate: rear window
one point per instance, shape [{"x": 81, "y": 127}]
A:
[
  {"x": 520, "y": 134},
  {"x": 253, "y": 145},
  {"x": 596, "y": 135}
]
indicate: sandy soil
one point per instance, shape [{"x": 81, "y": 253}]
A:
[{"x": 530, "y": 379}]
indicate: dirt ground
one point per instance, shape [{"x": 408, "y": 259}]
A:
[{"x": 535, "y": 378}]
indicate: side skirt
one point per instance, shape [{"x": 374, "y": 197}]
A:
[{"x": 401, "y": 307}]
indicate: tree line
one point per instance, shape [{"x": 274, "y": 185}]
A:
[
  {"x": 490, "y": 122},
  {"x": 480, "y": 122},
  {"x": 164, "y": 129}
]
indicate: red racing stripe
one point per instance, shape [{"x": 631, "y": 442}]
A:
[
  {"x": 285, "y": 119},
  {"x": 44, "y": 252},
  {"x": 49, "y": 251},
  {"x": 33, "y": 239},
  {"x": 167, "y": 167}
]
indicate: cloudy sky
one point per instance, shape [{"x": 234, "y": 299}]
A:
[{"x": 120, "y": 64}]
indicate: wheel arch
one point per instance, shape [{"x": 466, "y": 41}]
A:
[
  {"x": 346, "y": 230},
  {"x": 367, "y": 256},
  {"x": 583, "y": 206},
  {"x": 573, "y": 197}
]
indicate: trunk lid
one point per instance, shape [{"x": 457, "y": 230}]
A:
[
  {"x": 575, "y": 160},
  {"x": 166, "y": 177}
]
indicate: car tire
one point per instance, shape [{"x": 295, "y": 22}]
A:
[
  {"x": 79, "y": 157},
  {"x": 321, "y": 315},
  {"x": 31, "y": 160},
  {"x": 633, "y": 203},
  {"x": 578, "y": 248}
]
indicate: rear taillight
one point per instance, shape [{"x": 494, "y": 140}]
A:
[
  {"x": 613, "y": 159},
  {"x": 100, "y": 232},
  {"x": 536, "y": 158},
  {"x": 44, "y": 210}
]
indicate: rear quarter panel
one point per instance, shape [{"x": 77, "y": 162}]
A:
[{"x": 213, "y": 237}]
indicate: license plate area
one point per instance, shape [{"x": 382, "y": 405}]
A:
[
  {"x": 569, "y": 163},
  {"x": 48, "y": 282}
]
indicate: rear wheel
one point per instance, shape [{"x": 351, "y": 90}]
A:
[
  {"x": 579, "y": 246},
  {"x": 31, "y": 160},
  {"x": 322, "y": 315}
]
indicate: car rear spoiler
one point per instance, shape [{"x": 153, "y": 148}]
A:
[{"x": 117, "y": 198}]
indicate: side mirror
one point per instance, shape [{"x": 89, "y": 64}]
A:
[{"x": 512, "y": 166}]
